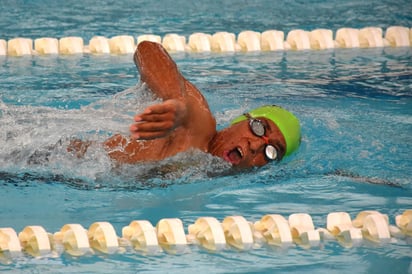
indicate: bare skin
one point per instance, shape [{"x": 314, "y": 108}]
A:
[
  {"x": 239, "y": 146},
  {"x": 183, "y": 121}
]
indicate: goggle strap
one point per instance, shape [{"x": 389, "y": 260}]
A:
[{"x": 266, "y": 139}]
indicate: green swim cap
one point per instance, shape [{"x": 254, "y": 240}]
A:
[{"x": 285, "y": 120}]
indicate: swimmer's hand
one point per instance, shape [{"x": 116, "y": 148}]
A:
[{"x": 159, "y": 120}]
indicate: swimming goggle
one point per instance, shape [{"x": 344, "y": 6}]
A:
[{"x": 258, "y": 128}]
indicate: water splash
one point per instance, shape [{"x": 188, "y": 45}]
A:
[{"x": 34, "y": 142}]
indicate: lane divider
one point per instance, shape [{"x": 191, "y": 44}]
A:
[
  {"x": 207, "y": 232},
  {"x": 245, "y": 41},
  {"x": 274, "y": 229},
  {"x": 238, "y": 232},
  {"x": 340, "y": 226},
  {"x": 74, "y": 238},
  {"x": 142, "y": 236},
  {"x": 303, "y": 230}
]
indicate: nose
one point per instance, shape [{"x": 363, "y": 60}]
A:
[{"x": 256, "y": 145}]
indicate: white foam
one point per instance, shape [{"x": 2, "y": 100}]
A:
[{"x": 36, "y": 138}]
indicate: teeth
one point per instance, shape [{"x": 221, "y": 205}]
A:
[{"x": 240, "y": 151}]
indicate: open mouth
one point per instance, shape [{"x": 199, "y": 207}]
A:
[{"x": 233, "y": 156}]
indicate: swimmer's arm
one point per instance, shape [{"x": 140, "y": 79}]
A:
[
  {"x": 78, "y": 147},
  {"x": 159, "y": 120},
  {"x": 158, "y": 70}
]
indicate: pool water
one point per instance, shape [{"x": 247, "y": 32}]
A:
[{"x": 355, "y": 107}]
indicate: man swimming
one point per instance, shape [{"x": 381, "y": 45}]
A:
[{"x": 183, "y": 121}]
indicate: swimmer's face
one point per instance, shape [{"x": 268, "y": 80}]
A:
[{"x": 238, "y": 144}]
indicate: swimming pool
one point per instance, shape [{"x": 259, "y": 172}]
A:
[{"x": 354, "y": 105}]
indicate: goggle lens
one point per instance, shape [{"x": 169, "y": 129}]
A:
[
  {"x": 271, "y": 152},
  {"x": 258, "y": 128}
]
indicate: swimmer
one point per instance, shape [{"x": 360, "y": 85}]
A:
[{"x": 183, "y": 121}]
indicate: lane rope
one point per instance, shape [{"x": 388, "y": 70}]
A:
[
  {"x": 234, "y": 232},
  {"x": 245, "y": 41}
]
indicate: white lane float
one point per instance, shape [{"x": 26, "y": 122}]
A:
[
  {"x": 3, "y": 47},
  {"x": 208, "y": 233},
  {"x": 249, "y": 40},
  {"x": 398, "y": 36},
  {"x": 35, "y": 241},
  {"x": 224, "y": 42},
  {"x": 347, "y": 38},
  {"x": 272, "y": 40},
  {"x": 46, "y": 45},
  {"x": 71, "y": 45},
  {"x": 370, "y": 37},
  {"x": 404, "y": 222},
  {"x": 171, "y": 235},
  {"x": 298, "y": 39},
  {"x": 200, "y": 42},
  {"x": 10, "y": 247},
  {"x": 149, "y": 37},
  {"x": 142, "y": 236},
  {"x": 20, "y": 47},
  {"x": 99, "y": 45},
  {"x": 321, "y": 39},
  {"x": 275, "y": 230},
  {"x": 339, "y": 224},
  {"x": 102, "y": 237},
  {"x": 238, "y": 232},
  {"x": 174, "y": 42},
  {"x": 374, "y": 226},
  {"x": 74, "y": 239},
  {"x": 122, "y": 44},
  {"x": 303, "y": 230}
]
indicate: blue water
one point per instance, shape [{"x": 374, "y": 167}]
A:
[
  {"x": 44, "y": 18},
  {"x": 355, "y": 107}
]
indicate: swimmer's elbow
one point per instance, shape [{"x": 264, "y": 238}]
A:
[
  {"x": 115, "y": 141},
  {"x": 78, "y": 147},
  {"x": 117, "y": 149}
]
